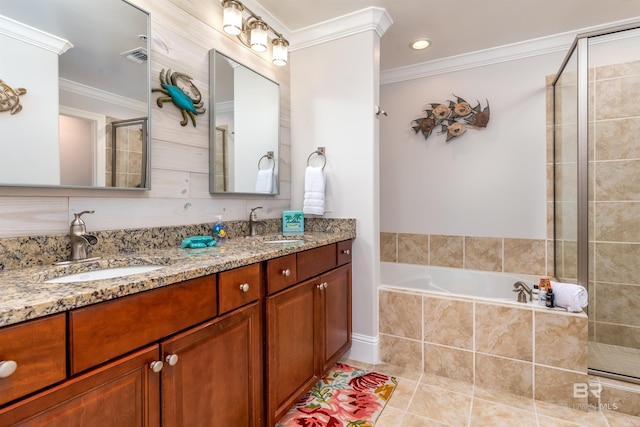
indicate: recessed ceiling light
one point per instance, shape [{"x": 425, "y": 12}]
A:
[{"x": 420, "y": 44}]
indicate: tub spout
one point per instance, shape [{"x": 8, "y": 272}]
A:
[{"x": 521, "y": 288}]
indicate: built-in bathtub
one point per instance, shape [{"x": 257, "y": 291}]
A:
[
  {"x": 453, "y": 281},
  {"x": 467, "y": 325}
]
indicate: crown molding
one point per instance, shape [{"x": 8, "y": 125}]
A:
[
  {"x": 33, "y": 36},
  {"x": 101, "y": 95},
  {"x": 224, "y": 107},
  {"x": 511, "y": 52},
  {"x": 372, "y": 18}
]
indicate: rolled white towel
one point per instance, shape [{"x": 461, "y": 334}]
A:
[{"x": 572, "y": 297}]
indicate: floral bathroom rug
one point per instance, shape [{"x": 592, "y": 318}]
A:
[{"x": 345, "y": 397}]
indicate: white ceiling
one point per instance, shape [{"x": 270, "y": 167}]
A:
[{"x": 457, "y": 27}]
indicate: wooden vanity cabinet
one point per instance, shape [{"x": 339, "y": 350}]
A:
[
  {"x": 101, "y": 332},
  {"x": 38, "y": 348},
  {"x": 335, "y": 319},
  {"x": 292, "y": 349},
  {"x": 125, "y": 392},
  {"x": 160, "y": 356},
  {"x": 308, "y": 325},
  {"x": 217, "y": 379},
  {"x": 194, "y": 353}
]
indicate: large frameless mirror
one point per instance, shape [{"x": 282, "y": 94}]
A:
[
  {"x": 244, "y": 129},
  {"x": 75, "y": 77}
]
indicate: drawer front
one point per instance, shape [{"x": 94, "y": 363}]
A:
[
  {"x": 239, "y": 287},
  {"x": 315, "y": 261},
  {"x": 38, "y": 348},
  {"x": 281, "y": 273},
  {"x": 344, "y": 252},
  {"x": 103, "y": 331}
]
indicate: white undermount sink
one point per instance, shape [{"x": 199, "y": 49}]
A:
[{"x": 105, "y": 273}]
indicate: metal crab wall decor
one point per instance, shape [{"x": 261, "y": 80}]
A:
[
  {"x": 178, "y": 86},
  {"x": 453, "y": 117},
  {"x": 10, "y": 98}
]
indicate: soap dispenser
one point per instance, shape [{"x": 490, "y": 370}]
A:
[{"x": 219, "y": 230}]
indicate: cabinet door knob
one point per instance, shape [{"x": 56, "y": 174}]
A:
[
  {"x": 172, "y": 359},
  {"x": 324, "y": 285},
  {"x": 319, "y": 286},
  {"x": 7, "y": 368},
  {"x": 156, "y": 366},
  {"x": 286, "y": 272},
  {"x": 244, "y": 287},
  {"x": 346, "y": 252}
]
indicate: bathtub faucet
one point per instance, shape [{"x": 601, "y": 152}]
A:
[{"x": 521, "y": 288}]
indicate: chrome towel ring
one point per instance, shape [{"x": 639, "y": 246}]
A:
[
  {"x": 319, "y": 152},
  {"x": 268, "y": 156}
]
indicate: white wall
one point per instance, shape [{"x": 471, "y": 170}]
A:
[
  {"x": 489, "y": 182},
  {"x": 256, "y": 115},
  {"x": 76, "y": 151},
  {"x": 334, "y": 88},
  {"x": 30, "y": 136}
]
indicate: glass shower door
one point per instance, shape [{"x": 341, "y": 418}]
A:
[
  {"x": 597, "y": 190},
  {"x": 614, "y": 202}
]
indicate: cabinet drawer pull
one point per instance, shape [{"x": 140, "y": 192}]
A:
[
  {"x": 346, "y": 252},
  {"x": 7, "y": 368},
  {"x": 286, "y": 272},
  {"x": 171, "y": 359},
  {"x": 156, "y": 366},
  {"x": 244, "y": 287}
]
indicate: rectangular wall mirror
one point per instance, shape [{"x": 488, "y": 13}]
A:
[
  {"x": 244, "y": 129},
  {"x": 81, "y": 70}
]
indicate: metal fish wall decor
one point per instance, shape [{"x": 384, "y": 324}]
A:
[{"x": 453, "y": 118}]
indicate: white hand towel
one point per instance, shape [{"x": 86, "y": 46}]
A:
[
  {"x": 572, "y": 297},
  {"x": 313, "y": 191},
  {"x": 264, "y": 181}
]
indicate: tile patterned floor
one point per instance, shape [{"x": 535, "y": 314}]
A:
[{"x": 421, "y": 400}]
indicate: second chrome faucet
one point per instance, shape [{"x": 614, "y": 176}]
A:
[{"x": 253, "y": 222}]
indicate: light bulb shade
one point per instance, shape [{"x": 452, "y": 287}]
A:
[
  {"x": 280, "y": 52},
  {"x": 259, "y": 36},
  {"x": 232, "y": 18}
]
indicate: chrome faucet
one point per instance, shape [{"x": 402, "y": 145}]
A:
[
  {"x": 253, "y": 222},
  {"x": 79, "y": 238},
  {"x": 521, "y": 288}
]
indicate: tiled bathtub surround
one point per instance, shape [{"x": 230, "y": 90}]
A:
[
  {"x": 522, "y": 256},
  {"x": 522, "y": 349}
]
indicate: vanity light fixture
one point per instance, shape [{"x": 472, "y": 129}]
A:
[
  {"x": 420, "y": 44},
  {"x": 253, "y": 31}
]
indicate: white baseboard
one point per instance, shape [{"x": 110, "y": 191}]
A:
[{"x": 364, "y": 348}]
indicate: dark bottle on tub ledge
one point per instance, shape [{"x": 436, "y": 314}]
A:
[{"x": 550, "y": 297}]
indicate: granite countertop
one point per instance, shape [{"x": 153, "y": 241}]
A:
[{"x": 25, "y": 295}]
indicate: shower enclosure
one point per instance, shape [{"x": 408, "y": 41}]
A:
[{"x": 596, "y": 176}]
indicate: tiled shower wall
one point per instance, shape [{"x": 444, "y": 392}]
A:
[{"x": 614, "y": 201}]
